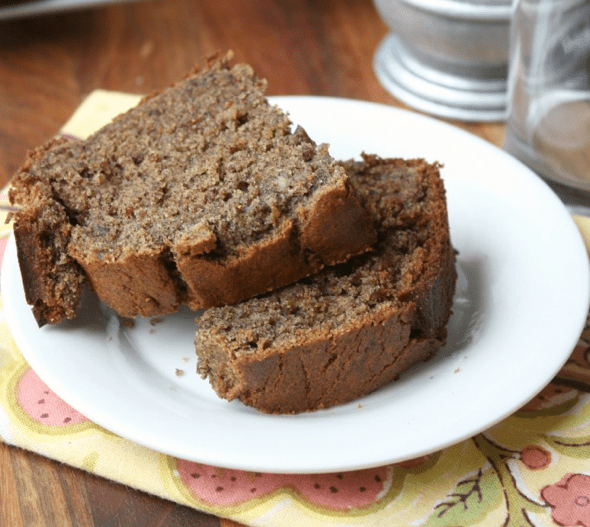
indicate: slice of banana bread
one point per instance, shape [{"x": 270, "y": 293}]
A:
[
  {"x": 352, "y": 328},
  {"x": 191, "y": 197}
]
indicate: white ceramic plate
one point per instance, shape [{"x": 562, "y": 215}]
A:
[{"x": 521, "y": 303}]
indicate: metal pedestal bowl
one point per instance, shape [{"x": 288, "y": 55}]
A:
[{"x": 447, "y": 57}]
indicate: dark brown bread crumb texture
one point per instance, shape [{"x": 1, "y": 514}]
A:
[
  {"x": 350, "y": 329},
  {"x": 191, "y": 197}
]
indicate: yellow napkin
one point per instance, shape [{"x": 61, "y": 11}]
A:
[
  {"x": 531, "y": 469},
  {"x": 583, "y": 224}
]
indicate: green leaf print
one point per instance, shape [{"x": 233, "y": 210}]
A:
[
  {"x": 469, "y": 502},
  {"x": 89, "y": 462},
  {"x": 576, "y": 447},
  {"x": 518, "y": 506}
]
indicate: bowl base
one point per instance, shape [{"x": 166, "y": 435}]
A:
[{"x": 469, "y": 95}]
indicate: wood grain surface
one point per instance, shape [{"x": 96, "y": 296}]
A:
[{"x": 48, "y": 64}]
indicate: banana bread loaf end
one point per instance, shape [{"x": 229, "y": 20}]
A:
[{"x": 191, "y": 197}]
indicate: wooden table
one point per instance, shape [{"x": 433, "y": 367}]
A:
[{"x": 49, "y": 64}]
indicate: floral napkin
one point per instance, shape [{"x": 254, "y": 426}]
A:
[{"x": 531, "y": 469}]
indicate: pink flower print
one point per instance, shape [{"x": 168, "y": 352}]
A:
[
  {"x": 42, "y": 405},
  {"x": 551, "y": 395},
  {"x": 535, "y": 457},
  {"x": 3, "y": 242},
  {"x": 570, "y": 500},
  {"x": 227, "y": 487}
]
